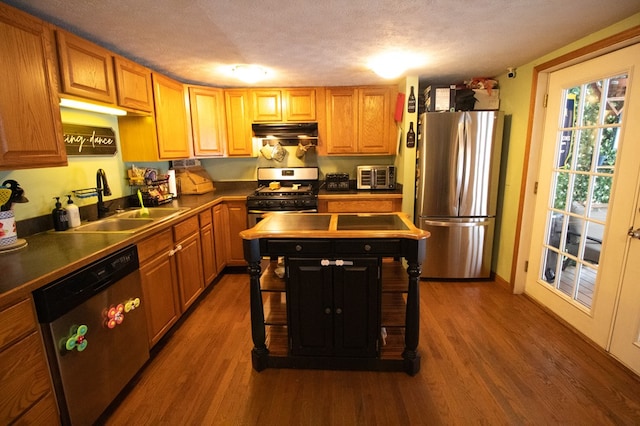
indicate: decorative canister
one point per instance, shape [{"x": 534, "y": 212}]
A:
[{"x": 8, "y": 233}]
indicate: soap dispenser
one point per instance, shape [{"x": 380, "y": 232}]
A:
[
  {"x": 60, "y": 218},
  {"x": 73, "y": 212}
]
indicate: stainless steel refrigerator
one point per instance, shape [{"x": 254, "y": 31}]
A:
[{"x": 456, "y": 191}]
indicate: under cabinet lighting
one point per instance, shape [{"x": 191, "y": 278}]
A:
[{"x": 85, "y": 106}]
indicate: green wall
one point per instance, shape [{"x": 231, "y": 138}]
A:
[{"x": 515, "y": 95}]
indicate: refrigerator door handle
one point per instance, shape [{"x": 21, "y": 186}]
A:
[
  {"x": 466, "y": 159},
  {"x": 459, "y": 163},
  {"x": 451, "y": 224}
]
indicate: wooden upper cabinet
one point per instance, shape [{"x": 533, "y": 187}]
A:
[
  {"x": 375, "y": 121},
  {"x": 267, "y": 105},
  {"x": 299, "y": 104},
  {"x": 359, "y": 120},
  {"x": 208, "y": 125},
  {"x": 238, "y": 114},
  {"x": 277, "y": 105},
  {"x": 171, "y": 118},
  {"x": 133, "y": 82},
  {"x": 342, "y": 120},
  {"x": 31, "y": 129},
  {"x": 86, "y": 69}
]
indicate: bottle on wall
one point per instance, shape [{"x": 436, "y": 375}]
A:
[
  {"x": 411, "y": 136},
  {"x": 411, "y": 103}
]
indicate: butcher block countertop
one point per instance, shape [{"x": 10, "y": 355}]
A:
[{"x": 335, "y": 225}]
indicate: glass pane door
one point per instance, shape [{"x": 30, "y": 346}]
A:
[{"x": 587, "y": 143}]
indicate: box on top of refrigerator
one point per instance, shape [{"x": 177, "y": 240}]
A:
[{"x": 440, "y": 98}]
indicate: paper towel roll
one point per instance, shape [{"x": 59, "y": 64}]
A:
[{"x": 172, "y": 182}]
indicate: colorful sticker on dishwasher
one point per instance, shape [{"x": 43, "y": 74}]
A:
[
  {"x": 115, "y": 315},
  {"x": 131, "y": 304},
  {"x": 78, "y": 340}
]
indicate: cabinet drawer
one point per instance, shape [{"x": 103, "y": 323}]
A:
[
  {"x": 16, "y": 321},
  {"x": 205, "y": 218},
  {"x": 387, "y": 247},
  {"x": 185, "y": 228},
  {"x": 162, "y": 241},
  {"x": 24, "y": 377},
  {"x": 286, "y": 247}
]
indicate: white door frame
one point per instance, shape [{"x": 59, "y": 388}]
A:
[{"x": 533, "y": 147}]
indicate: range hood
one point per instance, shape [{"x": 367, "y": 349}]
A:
[{"x": 287, "y": 133}]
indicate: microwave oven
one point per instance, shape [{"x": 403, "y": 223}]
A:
[{"x": 376, "y": 177}]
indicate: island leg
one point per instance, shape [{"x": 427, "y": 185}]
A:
[
  {"x": 259, "y": 353},
  {"x": 412, "y": 321}
]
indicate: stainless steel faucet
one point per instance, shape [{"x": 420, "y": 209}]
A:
[{"x": 102, "y": 188}]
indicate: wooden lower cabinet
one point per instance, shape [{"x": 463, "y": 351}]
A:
[
  {"x": 207, "y": 239},
  {"x": 237, "y": 216},
  {"x": 333, "y": 310},
  {"x": 220, "y": 236},
  {"x": 189, "y": 261},
  {"x": 159, "y": 284},
  {"x": 26, "y": 395}
]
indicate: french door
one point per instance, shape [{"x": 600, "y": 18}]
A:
[{"x": 582, "y": 259}]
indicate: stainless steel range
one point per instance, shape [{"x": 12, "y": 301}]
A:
[{"x": 291, "y": 189}]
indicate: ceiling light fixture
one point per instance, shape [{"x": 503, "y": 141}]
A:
[
  {"x": 249, "y": 73},
  {"x": 393, "y": 64},
  {"x": 85, "y": 106}
]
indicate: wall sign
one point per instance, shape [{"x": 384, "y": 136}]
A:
[{"x": 88, "y": 140}]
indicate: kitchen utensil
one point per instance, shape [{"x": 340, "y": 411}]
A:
[
  {"x": 144, "y": 212},
  {"x": 267, "y": 152},
  {"x": 17, "y": 194},
  {"x": 5, "y": 198},
  {"x": 279, "y": 152}
]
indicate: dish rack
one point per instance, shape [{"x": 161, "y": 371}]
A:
[{"x": 154, "y": 193}]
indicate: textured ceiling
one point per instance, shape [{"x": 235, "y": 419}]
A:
[{"x": 328, "y": 42}]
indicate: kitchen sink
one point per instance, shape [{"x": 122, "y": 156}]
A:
[
  {"x": 114, "y": 224},
  {"x": 130, "y": 221}
]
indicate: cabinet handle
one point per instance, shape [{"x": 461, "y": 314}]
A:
[
  {"x": 338, "y": 311},
  {"x": 337, "y": 262},
  {"x": 367, "y": 247},
  {"x": 171, "y": 253},
  {"x": 327, "y": 311},
  {"x": 298, "y": 247},
  {"x": 179, "y": 247}
]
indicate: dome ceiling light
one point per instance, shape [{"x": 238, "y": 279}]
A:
[
  {"x": 393, "y": 64},
  {"x": 249, "y": 73}
]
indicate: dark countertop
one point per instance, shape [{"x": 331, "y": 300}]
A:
[{"x": 50, "y": 255}]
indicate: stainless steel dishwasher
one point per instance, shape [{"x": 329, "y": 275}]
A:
[{"x": 95, "y": 333}]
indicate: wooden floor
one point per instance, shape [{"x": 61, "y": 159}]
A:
[{"x": 488, "y": 357}]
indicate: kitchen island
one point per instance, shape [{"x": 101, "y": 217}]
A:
[{"x": 332, "y": 307}]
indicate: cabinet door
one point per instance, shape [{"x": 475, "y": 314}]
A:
[
  {"x": 220, "y": 234},
  {"x": 267, "y": 105},
  {"x": 134, "y": 86},
  {"x": 207, "y": 121},
  {"x": 356, "y": 291},
  {"x": 310, "y": 307},
  {"x": 237, "y": 223},
  {"x": 159, "y": 290},
  {"x": 239, "y": 133},
  {"x": 342, "y": 120},
  {"x": 299, "y": 104},
  {"x": 171, "y": 118},
  {"x": 190, "y": 279},
  {"x": 208, "y": 247},
  {"x": 334, "y": 310},
  {"x": 86, "y": 69},
  {"x": 31, "y": 130},
  {"x": 375, "y": 121}
]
